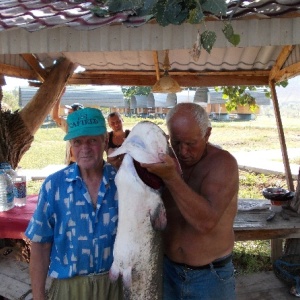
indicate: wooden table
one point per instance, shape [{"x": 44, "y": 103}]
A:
[
  {"x": 253, "y": 224},
  {"x": 14, "y": 222}
]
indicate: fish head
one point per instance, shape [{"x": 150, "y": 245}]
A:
[{"x": 144, "y": 143}]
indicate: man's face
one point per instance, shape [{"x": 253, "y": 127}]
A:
[
  {"x": 88, "y": 150},
  {"x": 187, "y": 140},
  {"x": 115, "y": 123}
]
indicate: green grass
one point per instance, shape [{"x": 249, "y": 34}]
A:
[
  {"x": 251, "y": 256},
  {"x": 47, "y": 148}
]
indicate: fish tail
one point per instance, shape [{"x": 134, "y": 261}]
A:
[
  {"x": 114, "y": 273},
  {"x": 127, "y": 278}
]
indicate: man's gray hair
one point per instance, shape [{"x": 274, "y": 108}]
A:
[{"x": 196, "y": 111}]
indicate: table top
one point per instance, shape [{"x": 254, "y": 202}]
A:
[
  {"x": 14, "y": 222},
  {"x": 250, "y": 223}
]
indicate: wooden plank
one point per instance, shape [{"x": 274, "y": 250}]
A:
[
  {"x": 183, "y": 80},
  {"x": 276, "y": 249},
  {"x": 262, "y": 285}
]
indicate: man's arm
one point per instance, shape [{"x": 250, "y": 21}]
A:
[
  {"x": 201, "y": 210},
  {"x": 60, "y": 121},
  {"x": 39, "y": 265},
  {"x": 55, "y": 113}
]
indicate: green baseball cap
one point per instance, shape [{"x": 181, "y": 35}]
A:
[{"x": 88, "y": 121}]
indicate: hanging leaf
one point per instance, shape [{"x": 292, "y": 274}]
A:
[
  {"x": 228, "y": 30},
  {"x": 216, "y": 7},
  {"x": 233, "y": 38},
  {"x": 208, "y": 39}
]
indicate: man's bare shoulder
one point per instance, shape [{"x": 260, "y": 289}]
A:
[{"x": 220, "y": 156}]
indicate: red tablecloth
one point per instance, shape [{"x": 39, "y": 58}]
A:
[{"x": 13, "y": 222}]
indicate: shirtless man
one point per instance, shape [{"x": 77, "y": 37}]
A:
[{"x": 201, "y": 206}]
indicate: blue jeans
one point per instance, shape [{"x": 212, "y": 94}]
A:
[{"x": 181, "y": 283}]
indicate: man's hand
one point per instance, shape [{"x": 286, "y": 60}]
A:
[{"x": 166, "y": 169}]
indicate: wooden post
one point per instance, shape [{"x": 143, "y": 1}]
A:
[
  {"x": 276, "y": 249},
  {"x": 285, "y": 158},
  {"x": 35, "y": 112}
]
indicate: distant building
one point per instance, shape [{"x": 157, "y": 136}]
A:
[
  {"x": 90, "y": 96},
  {"x": 155, "y": 104}
]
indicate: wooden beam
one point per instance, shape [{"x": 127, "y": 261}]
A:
[
  {"x": 288, "y": 72},
  {"x": 281, "y": 59},
  {"x": 97, "y": 73},
  {"x": 36, "y": 110},
  {"x": 12, "y": 71},
  {"x": 31, "y": 60},
  {"x": 156, "y": 64},
  {"x": 285, "y": 157},
  {"x": 183, "y": 80}
]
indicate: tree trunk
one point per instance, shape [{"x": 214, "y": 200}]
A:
[
  {"x": 35, "y": 112},
  {"x": 17, "y": 129}
]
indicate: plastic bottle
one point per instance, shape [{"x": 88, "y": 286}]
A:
[
  {"x": 6, "y": 187},
  {"x": 20, "y": 190}
]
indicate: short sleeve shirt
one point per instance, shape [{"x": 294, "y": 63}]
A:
[{"x": 82, "y": 236}]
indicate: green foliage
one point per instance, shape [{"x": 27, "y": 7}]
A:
[
  {"x": 239, "y": 95},
  {"x": 208, "y": 39},
  {"x": 233, "y": 38},
  {"x": 252, "y": 256},
  {"x": 129, "y": 91},
  {"x": 173, "y": 12},
  {"x": 11, "y": 99}
]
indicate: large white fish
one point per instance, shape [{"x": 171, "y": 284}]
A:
[{"x": 137, "y": 249}]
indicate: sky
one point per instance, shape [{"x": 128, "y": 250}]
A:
[{"x": 12, "y": 83}]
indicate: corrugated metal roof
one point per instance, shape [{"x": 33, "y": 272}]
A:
[
  {"x": 104, "y": 96},
  {"x": 53, "y": 29}
]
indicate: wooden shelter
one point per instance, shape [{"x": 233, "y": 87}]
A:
[{"x": 46, "y": 42}]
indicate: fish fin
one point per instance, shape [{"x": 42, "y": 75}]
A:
[
  {"x": 127, "y": 279},
  {"x": 114, "y": 273},
  {"x": 158, "y": 218}
]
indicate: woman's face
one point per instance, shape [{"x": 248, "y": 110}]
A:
[{"x": 115, "y": 123}]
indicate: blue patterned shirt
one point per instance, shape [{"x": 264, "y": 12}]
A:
[{"x": 82, "y": 237}]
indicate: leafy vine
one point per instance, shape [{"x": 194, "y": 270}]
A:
[{"x": 175, "y": 12}]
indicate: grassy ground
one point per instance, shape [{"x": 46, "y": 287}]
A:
[{"x": 49, "y": 148}]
